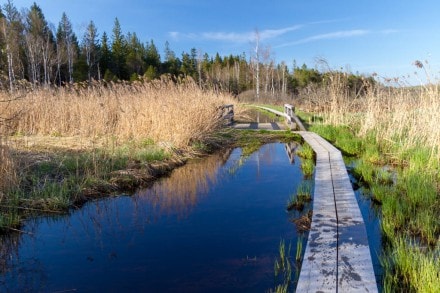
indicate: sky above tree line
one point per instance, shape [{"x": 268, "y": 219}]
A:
[{"x": 362, "y": 36}]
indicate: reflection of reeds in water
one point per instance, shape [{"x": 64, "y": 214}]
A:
[
  {"x": 8, "y": 251},
  {"x": 19, "y": 275},
  {"x": 182, "y": 190},
  {"x": 177, "y": 194}
]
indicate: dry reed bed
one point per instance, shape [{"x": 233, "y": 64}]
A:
[
  {"x": 163, "y": 111},
  {"x": 406, "y": 117}
]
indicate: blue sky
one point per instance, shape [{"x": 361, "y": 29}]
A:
[{"x": 363, "y": 36}]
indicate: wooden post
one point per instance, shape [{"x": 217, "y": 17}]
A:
[{"x": 289, "y": 111}]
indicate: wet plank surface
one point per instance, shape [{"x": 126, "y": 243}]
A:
[{"x": 337, "y": 256}]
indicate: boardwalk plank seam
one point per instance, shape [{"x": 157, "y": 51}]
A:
[{"x": 340, "y": 220}]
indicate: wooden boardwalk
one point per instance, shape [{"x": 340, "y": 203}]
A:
[
  {"x": 261, "y": 126},
  {"x": 337, "y": 256},
  {"x": 292, "y": 121}
]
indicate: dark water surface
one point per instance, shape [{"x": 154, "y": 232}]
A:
[{"x": 213, "y": 226}]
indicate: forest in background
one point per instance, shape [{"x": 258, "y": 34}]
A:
[{"x": 36, "y": 52}]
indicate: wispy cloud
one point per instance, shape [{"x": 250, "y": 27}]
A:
[
  {"x": 338, "y": 35},
  {"x": 328, "y": 36},
  {"x": 235, "y": 37}
]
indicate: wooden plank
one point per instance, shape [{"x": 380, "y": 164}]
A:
[
  {"x": 335, "y": 214},
  {"x": 319, "y": 268},
  {"x": 242, "y": 126},
  {"x": 355, "y": 267}
]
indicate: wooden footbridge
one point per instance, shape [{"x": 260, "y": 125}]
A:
[{"x": 337, "y": 256}]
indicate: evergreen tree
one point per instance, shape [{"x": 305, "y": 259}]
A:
[
  {"x": 119, "y": 52},
  {"x": 135, "y": 56},
  {"x": 106, "y": 56},
  {"x": 152, "y": 57},
  {"x": 171, "y": 64}
]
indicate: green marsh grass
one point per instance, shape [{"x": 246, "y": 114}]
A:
[
  {"x": 418, "y": 270},
  {"x": 307, "y": 155},
  {"x": 306, "y": 152},
  {"x": 303, "y": 195},
  {"x": 393, "y": 127},
  {"x": 307, "y": 167},
  {"x": 340, "y": 136},
  {"x": 283, "y": 268}
]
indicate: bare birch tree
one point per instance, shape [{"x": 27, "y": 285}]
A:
[
  {"x": 256, "y": 62},
  {"x": 39, "y": 44},
  {"x": 90, "y": 45},
  {"x": 11, "y": 29},
  {"x": 65, "y": 33}
]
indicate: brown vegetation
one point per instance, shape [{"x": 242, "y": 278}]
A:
[{"x": 165, "y": 112}]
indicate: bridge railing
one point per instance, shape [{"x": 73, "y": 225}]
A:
[
  {"x": 292, "y": 119},
  {"x": 289, "y": 113}
]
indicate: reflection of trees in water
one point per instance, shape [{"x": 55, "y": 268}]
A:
[{"x": 186, "y": 185}]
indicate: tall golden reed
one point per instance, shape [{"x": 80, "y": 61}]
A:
[
  {"x": 403, "y": 116},
  {"x": 162, "y": 111}
]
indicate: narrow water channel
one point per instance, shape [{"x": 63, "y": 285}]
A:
[{"x": 213, "y": 226}]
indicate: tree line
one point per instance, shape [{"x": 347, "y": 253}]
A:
[{"x": 42, "y": 54}]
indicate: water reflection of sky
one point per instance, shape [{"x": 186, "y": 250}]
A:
[{"x": 193, "y": 232}]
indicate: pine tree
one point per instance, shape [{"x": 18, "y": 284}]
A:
[
  {"x": 135, "y": 56},
  {"x": 106, "y": 56},
  {"x": 171, "y": 64},
  {"x": 119, "y": 52},
  {"x": 152, "y": 57}
]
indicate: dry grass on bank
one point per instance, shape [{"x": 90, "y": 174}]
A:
[{"x": 161, "y": 111}]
